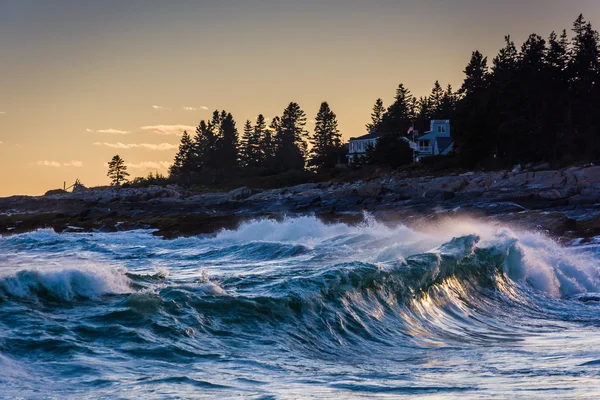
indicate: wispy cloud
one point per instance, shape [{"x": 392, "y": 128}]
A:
[
  {"x": 157, "y": 107},
  {"x": 150, "y": 165},
  {"x": 147, "y": 146},
  {"x": 189, "y": 108},
  {"x": 1, "y": 142},
  {"x": 169, "y": 129},
  {"x": 204, "y": 108},
  {"x": 56, "y": 164},
  {"x": 109, "y": 130},
  {"x": 2, "y": 112}
]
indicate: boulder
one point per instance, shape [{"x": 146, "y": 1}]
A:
[
  {"x": 434, "y": 194},
  {"x": 371, "y": 189},
  {"x": 588, "y": 175},
  {"x": 240, "y": 193}
]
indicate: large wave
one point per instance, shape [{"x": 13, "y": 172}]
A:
[{"x": 452, "y": 280}]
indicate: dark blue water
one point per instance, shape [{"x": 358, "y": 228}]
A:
[{"x": 298, "y": 309}]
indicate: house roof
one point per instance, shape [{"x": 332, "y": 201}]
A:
[
  {"x": 372, "y": 135},
  {"x": 428, "y": 135},
  {"x": 443, "y": 143}
]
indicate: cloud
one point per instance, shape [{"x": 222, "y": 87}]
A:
[
  {"x": 204, "y": 108},
  {"x": 1, "y": 142},
  {"x": 156, "y": 107},
  {"x": 312, "y": 121},
  {"x": 47, "y": 163},
  {"x": 56, "y": 164},
  {"x": 109, "y": 130},
  {"x": 150, "y": 165},
  {"x": 147, "y": 146},
  {"x": 189, "y": 108},
  {"x": 169, "y": 129},
  {"x": 2, "y": 112}
]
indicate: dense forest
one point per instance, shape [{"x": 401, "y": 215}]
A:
[{"x": 535, "y": 103}]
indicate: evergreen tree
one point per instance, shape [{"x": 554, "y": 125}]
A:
[
  {"x": 435, "y": 100},
  {"x": 584, "y": 72},
  {"x": 183, "y": 164},
  {"x": 205, "y": 147},
  {"x": 263, "y": 149},
  {"x": 248, "y": 150},
  {"x": 448, "y": 104},
  {"x": 400, "y": 114},
  {"x": 557, "y": 117},
  {"x": 326, "y": 141},
  {"x": 470, "y": 135},
  {"x": 291, "y": 139},
  {"x": 268, "y": 142},
  {"x": 227, "y": 143},
  {"x": 532, "y": 78},
  {"x": 117, "y": 171},
  {"x": 376, "y": 116},
  {"x": 505, "y": 101},
  {"x": 424, "y": 113}
]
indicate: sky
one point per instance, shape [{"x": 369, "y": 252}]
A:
[{"x": 83, "y": 80}]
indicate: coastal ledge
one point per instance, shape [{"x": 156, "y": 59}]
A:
[{"x": 563, "y": 203}]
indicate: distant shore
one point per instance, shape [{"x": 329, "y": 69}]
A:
[{"x": 564, "y": 203}]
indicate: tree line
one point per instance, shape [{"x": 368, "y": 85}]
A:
[
  {"x": 532, "y": 103},
  {"x": 282, "y": 144}
]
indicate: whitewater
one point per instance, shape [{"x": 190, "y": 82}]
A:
[{"x": 297, "y": 308}]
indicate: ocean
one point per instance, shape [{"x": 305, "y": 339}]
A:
[{"x": 296, "y": 308}]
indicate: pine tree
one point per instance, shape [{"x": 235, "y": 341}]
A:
[
  {"x": 472, "y": 128},
  {"x": 291, "y": 139},
  {"x": 247, "y": 150},
  {"x": 326, "y": 141},
  {"x": 435, "y": 100},
  {"x": 400, "y": 114},
  {"x": 557, "y": 118},
  {"x": 259, "y": 138},
  {"x": 533, "y": 85},
  {"x": 205, "y": 147},
  {"x": 448, "y": 104},
  {"x": 268, "y": 142},
  {"x": 117, "y": 171},
  {"x": 227, "y": 143},
  {"x": 376, "y": 116},
  {"x": 183, "y": 163},
  {"x": 584, "y": 69}
]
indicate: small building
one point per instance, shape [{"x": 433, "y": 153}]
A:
[
  {"x": 357, "y": 147},
  {"x": 436, "y": 142}
]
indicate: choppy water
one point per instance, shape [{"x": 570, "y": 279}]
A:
[{"x": 297, "y": 309}]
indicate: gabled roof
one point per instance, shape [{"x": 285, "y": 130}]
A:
[
  {"x": 443, "y": 143},
  {"x": 372, "y": 135}
]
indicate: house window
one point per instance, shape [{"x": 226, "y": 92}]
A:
[{"x": 441, "y": 129}]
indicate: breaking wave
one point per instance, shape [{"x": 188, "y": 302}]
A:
[{"x": 303, "y": 287}]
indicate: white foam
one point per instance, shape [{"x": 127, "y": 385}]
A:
[{"x": 65, "y": 283}]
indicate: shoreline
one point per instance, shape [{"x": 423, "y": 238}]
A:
[{"x": 563, "y": 203}]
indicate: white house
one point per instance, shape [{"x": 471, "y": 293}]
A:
[
  {"x": 357, "y": 147},
  {"x": 437, "y": 141}
]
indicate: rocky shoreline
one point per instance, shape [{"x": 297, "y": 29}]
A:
[{"x": 564, "y": 203}]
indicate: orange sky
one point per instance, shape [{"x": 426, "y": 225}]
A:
[{"x": 85, "y": 80}]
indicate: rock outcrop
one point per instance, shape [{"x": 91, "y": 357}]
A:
[{"x": 558, "y": 201}]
